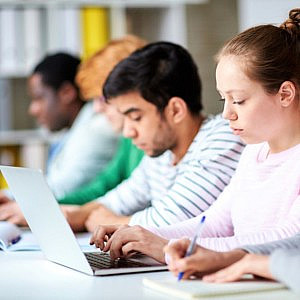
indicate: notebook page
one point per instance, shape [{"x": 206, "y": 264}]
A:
[
  {"x": 9, "y": 234},
  {"x": 29, "y": 243},
  {"x": 193, "y": 289}
]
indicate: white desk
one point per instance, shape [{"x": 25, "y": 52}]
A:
[{"x": 27, "y": 275}]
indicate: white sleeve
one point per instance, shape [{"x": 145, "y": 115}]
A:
[
  {"x": 285, "y": 267},
  {"x": 85, "y": 153},
  {"x": 132, "y": 194}
]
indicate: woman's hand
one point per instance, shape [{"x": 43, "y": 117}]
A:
[
  {"x": 202, "y": 261},
  {"x": 249, "y": 264}
]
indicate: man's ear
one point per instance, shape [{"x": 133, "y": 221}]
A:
[
  {"x": 176, "y": 110},
  {"x": 67, "y": 93},
  {"x": 287, "y": 92}
]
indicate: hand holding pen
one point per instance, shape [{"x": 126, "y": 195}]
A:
[{"x": 192, "y": 245}]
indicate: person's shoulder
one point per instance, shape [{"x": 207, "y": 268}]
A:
[
  {"x": 215, "y": 122},
  {"x": 254, "y": 152},
  {"x": 84, "y": 118},
  {"x": 216, "y": 129},
  {"x": 91, "y": 123},
  {"x": 153, "y": 166},
  {"x": 164, "y": 159},
  {"x": 255, "y": 148},
  {"x": 86, "y": 112},
  {"x": 99, "y": 122}
]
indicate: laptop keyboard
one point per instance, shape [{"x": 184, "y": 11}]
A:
[{"x": 103, "y": 261}]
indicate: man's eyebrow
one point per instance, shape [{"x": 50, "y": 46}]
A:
[{"x": 130, "y": 110}]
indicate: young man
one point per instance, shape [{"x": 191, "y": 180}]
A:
[
  {"x": 88, "y": 143},
  {"x": 190, "y": 158}
]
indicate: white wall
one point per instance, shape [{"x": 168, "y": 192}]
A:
[
  {"x": 209, "y": 25},
  {"x": 256, "y": 12}
]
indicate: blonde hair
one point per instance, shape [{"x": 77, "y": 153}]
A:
[{"x": 93, "y": 72}]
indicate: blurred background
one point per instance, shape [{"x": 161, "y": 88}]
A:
[{"x": 30, "y": 29}]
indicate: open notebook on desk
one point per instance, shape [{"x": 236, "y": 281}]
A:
[
  {"x": 9, "y": 235},
  {"x": 197, "y": 289},
  {"x": 13, "y": 238}
]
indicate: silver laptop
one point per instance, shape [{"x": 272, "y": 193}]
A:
[{"x": 53, "y": 232}]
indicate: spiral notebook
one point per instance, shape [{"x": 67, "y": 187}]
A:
[{"x": 197, "y": 289}]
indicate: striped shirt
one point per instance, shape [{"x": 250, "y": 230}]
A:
[{"x": 159, "y": 193}]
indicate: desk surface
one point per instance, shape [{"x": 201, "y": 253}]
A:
[{"x": 27, "y": 275}]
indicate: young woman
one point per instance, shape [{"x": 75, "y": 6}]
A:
[
  {"x": 280, "y": 259},
  {"x": 258, "y": 78}
]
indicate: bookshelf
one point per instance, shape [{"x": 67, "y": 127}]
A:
[
  {"x": 27, "y": 148},
  {"x": 24, "y": 147},
  {"x": 29, "y": 29}
]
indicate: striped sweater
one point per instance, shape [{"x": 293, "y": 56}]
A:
[{"x": 159, "y": 193}]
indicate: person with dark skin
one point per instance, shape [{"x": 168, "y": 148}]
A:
[
  {"x": 55, "y": 101},
  {"x": 89, "y": 141}
]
